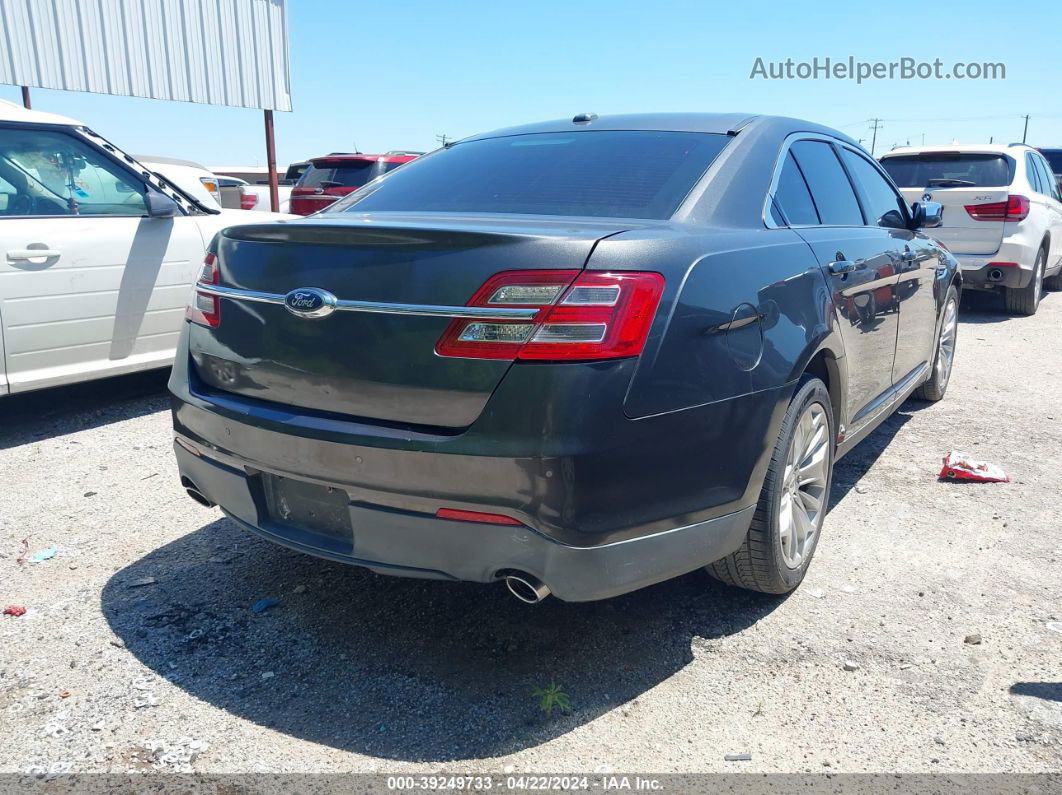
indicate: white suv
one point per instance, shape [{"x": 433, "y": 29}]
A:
[
  {"x": 97, "y": 253},
  {"x": 1002, "y": 214}
]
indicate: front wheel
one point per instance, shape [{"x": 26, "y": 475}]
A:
[
  {"x": 937, "y": 384},
  {"x": 788, "y": 518},
  {"x": 1026, "y": 300}
]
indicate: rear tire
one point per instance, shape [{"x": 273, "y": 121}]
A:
[
  {"x": 1026, "y": 300},
  {"x": 788, "y": 519},
  {"x": 936, "y": 385}
]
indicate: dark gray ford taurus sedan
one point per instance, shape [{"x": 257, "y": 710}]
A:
[{"x": 581, "y": 357}]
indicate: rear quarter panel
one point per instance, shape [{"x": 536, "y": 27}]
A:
[{"x": 742, "y": 313}]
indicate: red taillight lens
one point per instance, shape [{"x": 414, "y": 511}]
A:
[
  {"x": 203, "y": 308},
  {"x": 583, "y": 316},
  {"x": 248, "y": 199},
  {"x": 475, "y": 516},
  {"x": 1015, "y": 208}
]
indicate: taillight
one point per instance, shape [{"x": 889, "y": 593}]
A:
[
  {"x": 1015, "y": 208},
  {"x": 248, "y": 199},
  {"x": 204, "y": 308},
  {"x": 583, "y": 316}
]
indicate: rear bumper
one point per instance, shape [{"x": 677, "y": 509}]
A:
[
  {"x": 413, "y": 544},
  {"x": 991, "y": 276},
  {"x": 981, "y": 272},
  {"x": 607, "y": 503}
]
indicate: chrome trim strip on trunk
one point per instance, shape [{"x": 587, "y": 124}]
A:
[{"x": 378, "y": 307}]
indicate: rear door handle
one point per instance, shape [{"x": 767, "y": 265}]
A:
[
  {"x": 17, "y": 254},
  {"x": 841, "y": 266}
]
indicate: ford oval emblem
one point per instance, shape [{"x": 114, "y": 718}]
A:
[{"x": 310, "y": 302}]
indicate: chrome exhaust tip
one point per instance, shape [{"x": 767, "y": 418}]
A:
[
  {"x": 193, "y": 491},
  {"x": 995, "y": 275},
  {"x": 526, "y": 588},
  {"x": 200, "y": 498}
]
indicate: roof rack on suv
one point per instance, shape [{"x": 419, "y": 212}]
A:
[{"x": 403, "y": 152}]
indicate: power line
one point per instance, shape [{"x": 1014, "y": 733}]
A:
[{"x": 443, "y": 139}]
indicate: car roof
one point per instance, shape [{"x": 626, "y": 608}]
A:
[
  {"x": 719, "y": 123},
  {"x": 10, "y": 111},
  {"x": 358, "y": 156},
  {"x": 987, "y": 149},
  {"x": 172, "y": 161}
]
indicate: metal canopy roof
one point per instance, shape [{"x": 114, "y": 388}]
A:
[{"x": 217, "y": 52}]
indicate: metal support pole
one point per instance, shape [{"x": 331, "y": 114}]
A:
[
  {"x": 26, "y": 98},
  {"x": 271, "y": 157}
]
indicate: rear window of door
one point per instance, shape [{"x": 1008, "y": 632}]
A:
[
  {"x": 1033, "y": 174},
  {"x": 830, "y": 188},
  {"x": 950, "y": 170},
  {"x": 881, "y": 202},
  {"x": 1047, "y": 178},
  {"x": 793, "y": 197},
  {"x": 605, "y": 173}
]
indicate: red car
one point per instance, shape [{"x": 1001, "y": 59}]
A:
[{"x": 333, "y": 176}]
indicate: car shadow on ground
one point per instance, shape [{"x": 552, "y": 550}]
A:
[
  {"x": 1046, "y": 691},
  {"x": 31, "y": 416},
  {"x": 848, "y": 471},
  {"x": 402, "y": 669},
  {"x": 408, "y": 669},
  {"x": 979, "y": 306}
]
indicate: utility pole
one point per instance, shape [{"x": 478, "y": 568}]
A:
[
  {"x": 443, "y": 139},
  {"x": 875, "y": 126},
  {"x": 923, "y": 139},
  {"x": 1025, "y": 132}
]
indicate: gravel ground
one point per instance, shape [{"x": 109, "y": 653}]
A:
[{"x": 139, "y": 649}]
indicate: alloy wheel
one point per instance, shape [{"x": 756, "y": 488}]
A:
[
  {"x": 803, "y": 499},
  {"x": 946, "y": 346}
]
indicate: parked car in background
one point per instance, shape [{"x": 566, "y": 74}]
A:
[
  {"x": 1054, "y": 160},
  {"x": 254, "y": 192},
  {"x": 581, "y": 357},
  {"x": 99, "y": 252},
  {"x": 187, "y": 175},
  {"x": 1002, "y": 214},
  {"x": 333, "y": 176},
  {"x": 229, "y": 187}
]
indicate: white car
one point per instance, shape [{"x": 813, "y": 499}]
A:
[
  {"x": 254, "y": 192},
  {"x": 187, "y": 175},
  {"x": 97, "y": 254},
  {"x": 1002, "y": 214}
]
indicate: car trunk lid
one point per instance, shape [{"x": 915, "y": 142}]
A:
[{"x": 365, "y": 364}]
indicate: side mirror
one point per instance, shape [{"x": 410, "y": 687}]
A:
[
  {"x": 926, "y": 215},
  {"x": 159, "y": 205}
]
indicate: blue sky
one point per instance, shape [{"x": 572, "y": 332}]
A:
[{"x": 393, "y": 75}]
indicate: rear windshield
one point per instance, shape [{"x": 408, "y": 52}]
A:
[
  {"x": 623, "y": 174},
  {"x": 344, "y": 174},
  {"x": 950, "y": 170},
  {"x": 1054, "y": 157}
]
